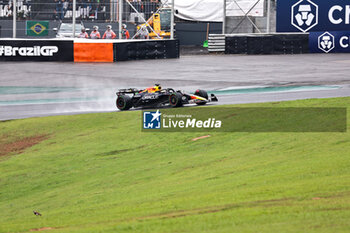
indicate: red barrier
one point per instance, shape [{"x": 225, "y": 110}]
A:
[{"x": 93, "y": 52}]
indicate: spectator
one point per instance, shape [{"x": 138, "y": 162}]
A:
[
  {"x": 10, "y": 8},
  {"x": 80, "y": 6},
  {"x": 94, "y": 9},
  {"x": 70, "y": 8},
  {"x": 95, "y": 34},
  {"x": 83, "y": 34},
  {"x": 144, "y": 34},
  {"x": 84, "y": 9},
  {"x": 29, "y": 8},
  {"x": 137, "y": 4},
  {"x": 107, "y": 9},
  {"x": 58, "y": 9},
  {"x": 101, "y": 10},
  {"x": 89, "y": 8},
  {"x": 125, "y": 32},
  {"x": 109, "y": 34},
  {"x": 65, "y": 4}
]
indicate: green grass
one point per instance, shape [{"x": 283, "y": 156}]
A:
[{"x": 100, "y": 173}]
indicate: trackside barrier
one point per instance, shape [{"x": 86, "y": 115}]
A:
[
  {"x": 288, "y": 43},
  {"x": 82, "y": 50},
  {"x": 36, "y": 50},
  {"x": 216, "y": 43},
  {"x": 295, "y": 43},
  {"x": 93, "y": 52},
  {"x": 148, "y": 49}
]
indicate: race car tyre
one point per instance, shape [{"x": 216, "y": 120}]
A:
[
  {"x": 201, "y": 93},
  {"x": 175, "y": 99},
  {"x": 124, "y": 102},
  {"x": 170, "y": 90}
]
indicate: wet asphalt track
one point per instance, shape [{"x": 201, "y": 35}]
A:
[{"x": 34, "y": 89}]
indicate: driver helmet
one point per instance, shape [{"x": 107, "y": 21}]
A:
[
  {"x": 109, "y": 26},
  {"x": 124, "y": 26},
  {"x": 157, "y": 87},
  {"x": 95, "y": 28}
]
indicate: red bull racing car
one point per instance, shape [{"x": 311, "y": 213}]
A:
[{"x": 157, "y": 97}]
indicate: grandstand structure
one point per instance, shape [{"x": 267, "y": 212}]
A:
[
  {"x": 230, "y": 26},
  {"x": 99, "y": 10},
  {"x": 49, "y": 31},
  {"x": 239, "y": 16},
  {"x": 88, "y": 12}
]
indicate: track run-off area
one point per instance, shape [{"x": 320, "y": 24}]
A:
[
  {"x": 32, "y": 89},
  {"x": 100, "y": 172}
]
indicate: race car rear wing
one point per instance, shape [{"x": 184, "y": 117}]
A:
[{"x": 127, "y": 91}]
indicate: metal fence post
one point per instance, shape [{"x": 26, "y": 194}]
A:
[
  {"x": 268, "y": 17},
  {"x": 120, "y": 19},
  {"x": 224, "y": 18},
  {"x": 14, "y": 14},
  {"x": 172, "y": 20},
  {"x": 74, "y": 16}
]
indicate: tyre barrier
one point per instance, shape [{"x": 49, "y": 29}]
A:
[
  {"x": 149, "y": 49},
  {"x": 283, "y": 43},
  {"x": 83, "y": 50}
]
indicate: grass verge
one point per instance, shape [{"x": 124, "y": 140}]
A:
[{"x": 100, "y": 173}]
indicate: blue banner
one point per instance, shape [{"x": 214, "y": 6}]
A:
[
  {"x": 329, "y": 42},
  {"x": 313, "y": 15}
]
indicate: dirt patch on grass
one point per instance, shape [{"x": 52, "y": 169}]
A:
[
  {"x": 336, "y": 209},
  {"x": 20, "y": 145},
  {"x": 230, "y": 115},
  {"x": 116, "y": 152},
  {"x": 214, "y": 209},
  {"x": 282, "y": 202},
  {"x": 42, "y": 229},
  {"x": 333, "y": 196},
  {"x": 199, "y": 138}
]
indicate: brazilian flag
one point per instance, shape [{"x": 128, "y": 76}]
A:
[{"x": 37, "y": 28}]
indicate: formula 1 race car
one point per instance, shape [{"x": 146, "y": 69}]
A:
[{"x": 157, "y": 97}]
